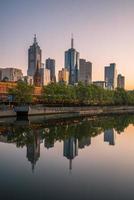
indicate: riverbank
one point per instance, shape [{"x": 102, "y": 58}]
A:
[{"x": 76, "y": 111}]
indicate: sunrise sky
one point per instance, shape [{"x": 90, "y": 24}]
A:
[{"x": 103, "y": 32}]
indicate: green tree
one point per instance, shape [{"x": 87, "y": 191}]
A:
[
  {"x": 58, "y": 93},
  {"x": 22, "y": 93},
  {"x": 120, "y": 96}
]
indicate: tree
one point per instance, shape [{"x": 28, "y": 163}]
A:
[
  {"x": 120, "y": 96},
  {"x": 58, "y": 93},
  {"x": 85, "y": 94},
  {"x": 22, "y": 93}
]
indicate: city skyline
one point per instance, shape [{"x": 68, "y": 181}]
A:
[{"x": 102, "y": 30}]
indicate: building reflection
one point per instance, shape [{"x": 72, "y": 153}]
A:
[
  {"x": 33, "y": 150},
  {"x": 32, "y": 135},
  {"x": 109, "y": 136},
  {"x": 48, "y": 144},
  {"x": 70, "y": 149},
  {"x": 83, "y": 142}
]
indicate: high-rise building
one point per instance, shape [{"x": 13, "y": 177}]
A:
[
  {"x": 72, "y": 63},
  {"x": 50, "y": 64},
  {"x": 111, "y": 76},
  {"x": 85, "y": 71},
  {"x": 10, "y": 74},
  {"x": 120, "y": 81},
  {"x": 34, "y": 58},
  {"x": 63, "y": 76}
]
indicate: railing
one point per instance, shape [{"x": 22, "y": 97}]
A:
[{"x": 21, "y": 108}]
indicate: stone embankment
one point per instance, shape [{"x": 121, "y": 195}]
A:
[{"x": 80, "y": 111}]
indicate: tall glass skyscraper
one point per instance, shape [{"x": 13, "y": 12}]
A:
[
  {"x": 111, "y": 76},
  {"x": 72, "y": 63},
  {"x": 34, "y": 58}
]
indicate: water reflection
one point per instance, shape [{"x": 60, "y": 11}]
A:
[
  {"x": 70, "y": 149},
  {"x": 109, "y": 136},
  {"x": 33, "y": 150},
  {"x": 76, "y": 134}
]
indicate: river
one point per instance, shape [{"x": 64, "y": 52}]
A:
[{"x": 70, "y": 159}]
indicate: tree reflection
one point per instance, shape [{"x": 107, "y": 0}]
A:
[
  {"x": 87, "y": 127},
  {"x": 75, "y": 134}
]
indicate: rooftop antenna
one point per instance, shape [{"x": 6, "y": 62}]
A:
[
  {"x": 72, "y": 41},
  {"x": 35, "y": 39}
]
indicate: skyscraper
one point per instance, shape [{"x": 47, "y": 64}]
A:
[
  {"x": 120, "y": 81},
  {"x": 111, "y": 76},
  {"x": 34, "y": 58},
  {"x": 85, "y": 71},
  {"x": 50, "y": 64},
  {"x": 72, "y": 63}
]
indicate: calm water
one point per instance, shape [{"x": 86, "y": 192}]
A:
[{"x": 73, "y": 159}]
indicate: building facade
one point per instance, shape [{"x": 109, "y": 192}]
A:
[
  {"x": 37, "y": 77},
  {"x": 45, "y": 76},
  {"x": 121, "y": 81},
  {"x": 101, "y": 84},
  {"x": 63, "y": 76},
  {"x": 72, "y": 63},
  {"x": 10, "y": 74},
  {"x": 28, "y": 79},
  {"x": 110, "y": 75},
  {"x": 50, "y": 64},
  {"x": 85, "y": 71},
  {"x": 34, "y": 58}
]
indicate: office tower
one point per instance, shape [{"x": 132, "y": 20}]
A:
[
  {"x": 50, "y": 64},
  {"x": 34, "y": 58},
  {"x": 85, "y": 71},
  {"x": 109, "y": 136},
  {"x": 63, "y": 76},
  {"x": 10, "y": 74},
  {"x": 121, "y": 81},
  {"x": 70, "y": 149},
  {"x": 72, "y": 63},
  {"x": 111, "y": 76}
]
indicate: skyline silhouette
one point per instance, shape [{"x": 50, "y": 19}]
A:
[{"x": 103, "y": 32}]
